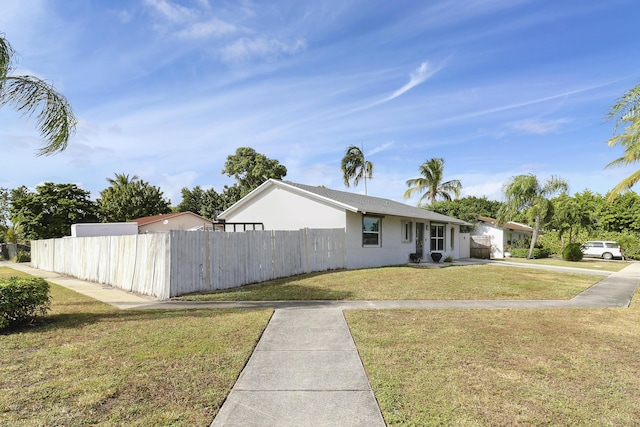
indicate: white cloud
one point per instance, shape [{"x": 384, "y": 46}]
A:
[
  {"x": 422, "y": 73},
  {"x": 212, "y": 27},
  {"x": 380, "y": 148},
  {"x": 171, "y": 11},
  {"x": 244, "y": 49},
  {"x": 539, "y": 127}
]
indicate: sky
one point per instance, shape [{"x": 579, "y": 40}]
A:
[{"x": 167, "y": 89}]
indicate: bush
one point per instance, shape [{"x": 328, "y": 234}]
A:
[
  {"x": 21, "y": 299},
  {"x": 23, "y": 256},
  {"x": 572, "y": 252},
  {"x": 448, "y": 259},
  {"x": 537, "y": 253}
]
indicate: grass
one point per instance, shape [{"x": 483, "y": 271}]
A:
[
  {"x": 409, "y": 283},
  {"x": 588, "y": 263},
  {"x": 502, "y": 367},
  {"x": 88, "y": 363}
]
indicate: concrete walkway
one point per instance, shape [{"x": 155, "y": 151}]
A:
[{"x": 305, "y": 369}]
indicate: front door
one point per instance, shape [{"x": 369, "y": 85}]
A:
[{"x": 419, "y": 238}]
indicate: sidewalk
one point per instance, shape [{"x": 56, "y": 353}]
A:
[
  {"x": 305, "y": 370},
  {"x": 107, "y": 294}
]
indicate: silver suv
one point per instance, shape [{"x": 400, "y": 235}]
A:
[{"x": 601, "y": 249}]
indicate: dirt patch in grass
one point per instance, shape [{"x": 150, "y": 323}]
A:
[
  {"x": 408, "y": 283},
  {"x": 88, "y": 363},
  {"x": 502, "y": 367}
]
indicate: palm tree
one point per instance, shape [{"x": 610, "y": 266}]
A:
[
  {"x": 29, "y": 95},
  {"x": 355, "y": 167},
  {"x": 626, "y": 113},
  {"x": 523, "y": 193},
  {"x": 122, "y": 180},
  {"x": 430, "y": 183}
]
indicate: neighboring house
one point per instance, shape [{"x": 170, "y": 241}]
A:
[
  {"x": 501, "y": 235},
  {"x": 378, "y": 231},
  {"x": 172, "y": 221}
]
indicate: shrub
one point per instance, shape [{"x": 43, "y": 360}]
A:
[
  {"x": 21, "y": 299},
  {"x": 537, "y": 253},
  {"x": 572, "y": 252},
  {"x": 448, "y": 259},
  {"x": 23, "y": 256}
]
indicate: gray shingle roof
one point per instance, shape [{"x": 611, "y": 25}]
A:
[{"x": 374, "y": 205}]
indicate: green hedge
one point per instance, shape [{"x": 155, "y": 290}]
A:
[
  {"x": 21, "y": 299},
  {"x": 537, "y": 253},
  {"x": 572, "y": 252}
]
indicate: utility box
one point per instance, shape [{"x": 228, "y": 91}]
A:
[{"x": 104, "y": 229}]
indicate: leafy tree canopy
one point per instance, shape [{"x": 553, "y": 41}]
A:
[
  {"x": 251, "y": 169},
  {"x": 50, "y": 210},
  {"x": 355, "y": 167},
  {"x": 130, "y": 198},
  {"x": 468, "y": 208},
  {"x": 206, "y": 203},
  {"x": 625, "y": 114},
  {"x": 31, "y": 95},
  {"x": 431, "y": 183}
]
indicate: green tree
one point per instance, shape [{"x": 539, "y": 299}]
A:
[
  {"x": 524, "y": 193},
  {"x": 625, "y": 114},
  {"x": 622, "y": 214},
  {"x": 206, "y": 203},
  {"x": 50, "y": 210},
  {"x": 431, "y": 183},
  {"x": 355, "y": 167},
  {"x": 467, "y": 208},
  {"x": 251, "y": 169},
  {"x": 130, "y": 198},
  {"x": 4, "y": 213},
  {"x": 31, "y": 95}
]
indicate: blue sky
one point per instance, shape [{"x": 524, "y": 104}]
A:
[{"x": 167, "y": 89}]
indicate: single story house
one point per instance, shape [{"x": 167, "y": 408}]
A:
[
  {"x": 378, "y": 231},
  {"x": 172, "y": 221},
  {"x": 502, "y": 236}
]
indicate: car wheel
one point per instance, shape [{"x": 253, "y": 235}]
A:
[{"x": 607, "y": 255}]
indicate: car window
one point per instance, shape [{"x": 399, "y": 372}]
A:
[
  {"x": 611, "y": 245},
  {"x": 597, "y": 245}
]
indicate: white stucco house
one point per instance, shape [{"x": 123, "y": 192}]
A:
[
  {"x": 172, "y": 221},
  {"x": 502, "y": 235},
  {"x": 378, "y": 231}
]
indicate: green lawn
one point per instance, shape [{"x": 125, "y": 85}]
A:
[
  {"x": 502, "y": 367},
  {"x": 88, "y": 363},
  {"x": 409, "y": 283},
  {"x": 589, "y": 263}
]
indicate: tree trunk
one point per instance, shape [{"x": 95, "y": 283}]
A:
[{"x": 534, "y": 237}]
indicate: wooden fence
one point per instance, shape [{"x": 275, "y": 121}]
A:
[{"x": 165, "y": 265}]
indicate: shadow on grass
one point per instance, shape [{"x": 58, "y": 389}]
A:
[
  {"x": 278, "y": 289},
  {"x": 64, "y": 321}
]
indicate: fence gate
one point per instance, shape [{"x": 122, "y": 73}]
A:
[{"x": 481, "y": 247}]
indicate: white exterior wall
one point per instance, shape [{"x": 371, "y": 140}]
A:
[
  {"x": 279, "y": 209},
  {"x": 393, "y": 250},
  {"x": 94, "y": 229},
  {"x": 498, "y": 238},
  {"x": 180, "y": 222}
]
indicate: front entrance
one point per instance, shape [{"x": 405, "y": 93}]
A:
[{"x": 419, "y": 238}]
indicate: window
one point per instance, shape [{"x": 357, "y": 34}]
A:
[
  {"x": 371, "y": 227},
  {"x": 452, "y": 239},
  {"x": 437, "y": 237},
  {"x": 407, "y": 231}
]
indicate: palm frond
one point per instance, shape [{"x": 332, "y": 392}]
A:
[{"x": 56, "y": 121}]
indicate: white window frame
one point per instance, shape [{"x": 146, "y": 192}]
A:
[
  {"x": 437, "y": 243},
  {"x": 370, "y": 232},
  {"x": 407, "y": 231}
]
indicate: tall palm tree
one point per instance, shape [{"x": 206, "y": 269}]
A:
[
  {"x": 122, "y": 180},
  {"x": 430, "y": 183},
  {"x": 626, "y": 114},
  {"x": 524, "y": 193},
  {"x": 355, "y": 167},
  {"x": 30, "y": 95}
]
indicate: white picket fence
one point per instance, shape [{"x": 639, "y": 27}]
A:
[{"x": 165, "y": 265}]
